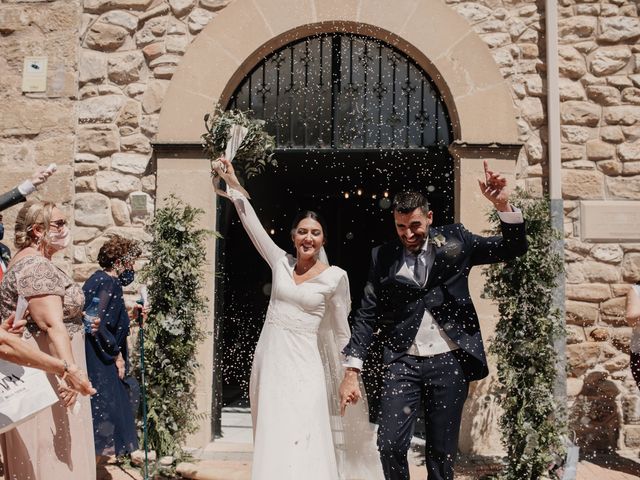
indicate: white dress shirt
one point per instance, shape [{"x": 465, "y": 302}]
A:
[{"x": 430, "y": 339}]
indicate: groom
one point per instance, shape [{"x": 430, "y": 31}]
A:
[{"x": 417, "y": 294}]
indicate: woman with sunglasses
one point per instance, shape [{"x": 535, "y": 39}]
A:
[{"x": 57, "y": 442}]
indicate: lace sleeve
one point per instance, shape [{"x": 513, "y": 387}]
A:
[{"x": 40, "y": 277}]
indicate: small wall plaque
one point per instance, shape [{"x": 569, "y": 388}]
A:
[
  {"x": 34, "y": 74},
  {"x": 610, "y": 221},
  {"x": 138, "y": 204}
]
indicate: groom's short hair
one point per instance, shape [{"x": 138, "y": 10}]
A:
[{"x": 405, "y": 202}]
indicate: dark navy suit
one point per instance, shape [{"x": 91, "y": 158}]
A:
[
  {"x": 11, "y": 198},
  {"x": 440, "y": 381}
]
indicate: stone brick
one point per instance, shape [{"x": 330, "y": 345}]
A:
[
  {"x": 92, "y": 210},
  {"x": 612, "y": 134},
  {"x": 576, "y": 28},
  {"x": 120, "y": 211},
  {"x": 600, "y": 272},
  {"x": 608, "y": 60},
  {"x": 589, "y": 292},
  {"x": 631, "y": 267},
  {"x": 99, "y": 6},
  {"x": 631, "y": 409},
  {"x": 100, "y": 140},
  {"x": 135, "y": 143},
  {"x": 129, "y": 163},
  {"x": 214, "y": 5},
  {"x": 582, "y": 184},
  {"x": 154, "y": 95},
  {"x": 125, "y": 68},
  {"x": 103, "y": 109},
  {"x": 621, "y": 339},
  {"x": 130, "y": 114},
  {"x": 570, "y": 90},
  {"x": 610, "y": 167},
  {"x": 85, "y": 184},
  {"x": 582, "y": 357},
  {"x": 120, "y": 18},
  {"x": 631, "y": 168},
  {"x": 621, "y": 114},
  {"x": 473, "y": 12},
  {"x": 117, "y": 184},
  {"x": 106, "y": 37},
  {"x": 617, "y": 363},
  {"x": 624, "y": 187},
  {"x": 631, "y": 436},
  {"x": 199, "y": 18},
  {"x": 631, "y": 95},
  {"x": 154, "y": 50},
  {"x": 92, "y": 66},
  {"x": 599, "y": 150},
  {"x": 575, "y": 134},
  {"x": 581, "y": 313},
  {"x": 604, "y": 95},
  {"x": 599, "y": 334},
  {"x": 607, "y": 253},
  {"x": 572, "y": 152},
  {"x": 181, "y": 7},
  {"x": 629, "y": 152},
  {"x": 619, "y": 28},
  {"x": 612, "y": 311},
  {"x": 84, "y": 234},
  {"x": 580, "y": 113}
]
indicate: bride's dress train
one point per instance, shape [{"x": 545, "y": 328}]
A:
[{"x": 298, "y": 431}]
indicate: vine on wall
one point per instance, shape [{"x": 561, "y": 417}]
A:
[
  {"x": 172, "y": 331},
  {"x": 532, "y": 429}
]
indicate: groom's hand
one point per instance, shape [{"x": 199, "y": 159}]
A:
[
  {"x": 494, "y": 188},
  {"x": 349, "y": 389}
]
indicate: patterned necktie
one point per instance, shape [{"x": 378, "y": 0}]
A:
[{"x": 419, "y": 270}]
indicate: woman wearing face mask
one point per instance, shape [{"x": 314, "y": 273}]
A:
[
  {"x": 297, "y": 428},
  {"x": 53, "y": 444},
  {"x": 107, "y": 359}
]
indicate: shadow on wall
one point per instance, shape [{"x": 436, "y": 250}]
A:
[{"x": 594, "y": 416}]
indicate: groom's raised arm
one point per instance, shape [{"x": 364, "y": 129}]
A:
[{"x": 365, "y": 320}]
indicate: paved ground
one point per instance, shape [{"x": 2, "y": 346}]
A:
[{"x": 230, "y": 459}]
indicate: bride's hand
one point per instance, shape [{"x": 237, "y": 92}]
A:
[
  {"x": 349, "y": 390},
  {"x": 224, "y": 169}
]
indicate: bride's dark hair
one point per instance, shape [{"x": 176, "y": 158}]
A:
[{"x": 313, "y": 216}]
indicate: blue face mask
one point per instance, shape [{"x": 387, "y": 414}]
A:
[
  {"x": 126, "y": 277},
  {"x": 1, "y": 231}
]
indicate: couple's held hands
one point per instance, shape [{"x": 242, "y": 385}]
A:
[
  {"x": 349, "y": 389},
  {"x": 494, "y": 188}
]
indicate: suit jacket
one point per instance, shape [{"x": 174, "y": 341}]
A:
[
  {"x": 11, "y": 198},
  {"x": 397, "y": 308}
]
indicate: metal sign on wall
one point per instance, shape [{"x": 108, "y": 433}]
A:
[
  {"x": 610, "y": 221},
  {"x": 34, "y": 74}
]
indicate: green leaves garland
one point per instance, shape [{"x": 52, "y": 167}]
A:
[
  {"x": 172, "y": 331},
  {"x": 526, "y": 359},
  {"x": 256, "y": 150}
]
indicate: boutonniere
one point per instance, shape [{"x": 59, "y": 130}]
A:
[{"x": 438, "y": 240}]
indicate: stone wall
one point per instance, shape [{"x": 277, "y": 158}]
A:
[
  {"x": 129, "y": 50},
  {"x": 38, "y": 128},
  {"x": 600, "y": 114}
]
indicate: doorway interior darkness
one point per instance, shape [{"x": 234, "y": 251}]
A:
[{"x": 355, "y": 122}]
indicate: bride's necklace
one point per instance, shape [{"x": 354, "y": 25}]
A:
[{"x": 300, "y": 270}]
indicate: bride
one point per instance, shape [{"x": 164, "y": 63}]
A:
[{"x": 297, "y": 427}]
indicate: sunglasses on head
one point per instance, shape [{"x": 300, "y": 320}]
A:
[{"x": 58, "y": 223}]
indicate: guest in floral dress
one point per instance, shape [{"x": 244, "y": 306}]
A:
[{"x": 56, "y": 443}]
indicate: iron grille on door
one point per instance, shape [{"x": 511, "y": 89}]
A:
[{"x": 341, "y": 91}]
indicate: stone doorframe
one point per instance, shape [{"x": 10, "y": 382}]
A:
[{"x": 478, "y": 99}]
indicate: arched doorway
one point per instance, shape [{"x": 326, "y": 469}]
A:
[
  {"x": 430, "y": 32},
  {"x": 355, "y": 120}
]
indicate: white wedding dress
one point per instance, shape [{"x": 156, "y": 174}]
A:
[{"x": 298, "y": 432}]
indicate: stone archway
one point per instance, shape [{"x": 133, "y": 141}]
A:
[{"x": 433, "y": 35}]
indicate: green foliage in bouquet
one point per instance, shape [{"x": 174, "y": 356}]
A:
[
  {"x": 532, "y": 427},
  {"x": 256, "y": 150},
  {"x": 172, "y": 331}
]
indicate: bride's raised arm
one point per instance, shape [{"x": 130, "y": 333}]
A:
[{"x": 259, "y": 237}]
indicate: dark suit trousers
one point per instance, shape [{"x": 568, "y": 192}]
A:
[{"x": 440, "y": 383}]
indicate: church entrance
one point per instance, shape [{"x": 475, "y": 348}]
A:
[{"x": 355, "y": 122}]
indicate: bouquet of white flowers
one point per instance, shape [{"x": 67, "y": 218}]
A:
[{"x": 241, "y": 139}]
